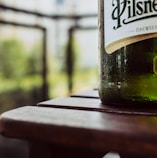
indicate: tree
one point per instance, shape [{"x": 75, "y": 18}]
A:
[{"x": 12, "y": 58}]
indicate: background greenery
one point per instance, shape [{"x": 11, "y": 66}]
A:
[{"x": 21, "y": 80}]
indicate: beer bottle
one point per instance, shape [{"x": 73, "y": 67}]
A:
[{"x": 128, "y": 52}]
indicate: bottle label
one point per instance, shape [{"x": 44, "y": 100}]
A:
[{"x": 128, "y": 21}]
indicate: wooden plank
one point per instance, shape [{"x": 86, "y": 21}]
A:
[
  {"x": 82, "y": 129},
  {"x": 92, "y": 104},
  {"x": 45, "y": 150},
  {"x": 87, "y": 94}
]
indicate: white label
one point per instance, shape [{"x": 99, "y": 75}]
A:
[{"x": 129, "y": 21}]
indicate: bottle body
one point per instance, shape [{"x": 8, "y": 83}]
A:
[{"x": 128, "y": 75}]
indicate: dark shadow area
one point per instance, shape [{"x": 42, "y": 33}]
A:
[
  {"x": 13, "y": 148},
  {"x": 17, "y": 98}
]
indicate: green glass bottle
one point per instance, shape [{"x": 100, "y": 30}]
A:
[{"x": 128, "y": 64}]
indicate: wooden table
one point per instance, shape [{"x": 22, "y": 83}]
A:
[{"x": 80, "y": 126}]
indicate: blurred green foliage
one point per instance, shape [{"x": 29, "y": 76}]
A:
[
  {"x": 15, "y": 61},
  {"x": 12, "y": 59},
  {"x": 20, "y": 74}
]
